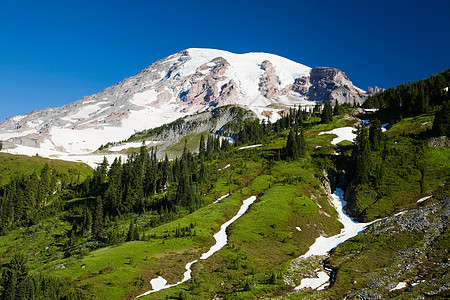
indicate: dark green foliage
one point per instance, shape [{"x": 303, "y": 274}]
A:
[
  {"x": 375, "y": 135},
  {"x": 361, "y": 156},
  {"x": 327, "y": 113},
  {"x": 441, "y": 124},
  {"x": 295, "y": 144},
  {"x": 97, "y": 223},
  {"x": 133, "y": 232},
  {"x": 16, "y": 283},
  {"x": 337, "y": 109},
  {"x": 415, "y": 98}
]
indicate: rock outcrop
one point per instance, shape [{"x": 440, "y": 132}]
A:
[{"x": 329, "y": 84}]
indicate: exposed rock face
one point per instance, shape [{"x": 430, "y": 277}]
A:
[
  {"x": 269, "y": 81},
  {"x": 374, "y": 90},
  {"x": 329, "y": 84}
]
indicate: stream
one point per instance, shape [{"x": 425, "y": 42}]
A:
[
  {"x": 323, "y": 245},
  {"x": 221, "y": 238}
]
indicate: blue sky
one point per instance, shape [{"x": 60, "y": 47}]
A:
[{"x": 56, "y": 52}]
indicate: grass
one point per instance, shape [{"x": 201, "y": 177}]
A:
[
  {"x": 191, "y": 141},
  {"x": 18, "y": 165},
  {"x": 261, "y": 243}
]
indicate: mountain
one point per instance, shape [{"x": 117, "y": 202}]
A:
[{"x": 185, "y": 83}]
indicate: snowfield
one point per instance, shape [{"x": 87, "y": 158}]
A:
[{"x": 90, "y": 159}]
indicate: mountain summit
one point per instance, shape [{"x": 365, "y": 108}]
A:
[{"x": 185, "y": 83}]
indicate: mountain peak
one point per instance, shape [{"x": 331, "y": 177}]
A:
[{"x": 184, "y": 83}]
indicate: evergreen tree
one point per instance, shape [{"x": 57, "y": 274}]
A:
[
  {"x": 97, "y": 223},
  {"x": 375, "y": 135},
  {"x": 361, "y": 156},
  {"x": 327, "y": 113},
  {"x": 337, "y": 109},
  {"x": 441, "y": 123},
  {"x": 201, "y": 147},
  {"x": 301, "y": 143}
]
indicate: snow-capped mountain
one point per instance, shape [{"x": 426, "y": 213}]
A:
[{"x": 185, "y": 83}]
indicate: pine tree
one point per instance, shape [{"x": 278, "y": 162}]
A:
[
  {"x": 327, "y": 113},
  {"x": 361, "y": 156},
  {"x": 441, "y": 123},
  {"x": 337, "y": 109},
  {"x": 375, "y": 135},
  {"x": 97, "y": 223},
  {"x": 201, "y": 147},
  {"x": 301, "y": 143}
]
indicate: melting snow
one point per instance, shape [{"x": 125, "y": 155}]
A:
[
  {"x": 319, "y": 282},
  {"x": 323, "y": 245},
  {"x": 221, "y": 198},
  {"x": 351, "y": 228},
  {"x": 252, "y": 146},
  {"x": 424, "y": 198},
  {"x": 160, "y": 283},
  {"x": 227, "y": 166},
  {"x": 343, "y": 133},
  {"x": 399, "y": 286}
]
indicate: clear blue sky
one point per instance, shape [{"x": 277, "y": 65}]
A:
[{"x": 56, "y": 52}]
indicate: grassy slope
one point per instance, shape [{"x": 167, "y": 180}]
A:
[
  {"x": 400, "y": 186},
  {"x": 17, "y": 165},
  {"x": 261, "y": 243},
  {"x": 285, "y": 191}
]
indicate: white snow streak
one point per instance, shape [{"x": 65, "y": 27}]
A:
[
  {"x": 160, "y": 283},
  {"x": 323, "y": 245},
  {"x": 252, "y": 146},
  {"x": 221, "y": 198},
  {"x": 227, "y": 166},
  {"x": 424, "y": 198}
]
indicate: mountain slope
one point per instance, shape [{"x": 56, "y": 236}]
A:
[{"x": 185, "y": 83}]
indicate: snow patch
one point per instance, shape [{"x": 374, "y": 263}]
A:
[
  {"x": 144, "y": 98},
  {"x": 424, "y": 198},
  {"x": 248, "y": 147},
  {"x": 399, "y": 286},
  {"x": 319, "y": 282},
  {"x": 323, "y": 245},
  {"x": 221, "y": 198},
  {"x": 227, "y": 166},
  {"x": 221, "y": 236},
  {"x": 343, "y": 133}
]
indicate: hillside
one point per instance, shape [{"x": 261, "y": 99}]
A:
[{"x": 148, "y": 225}]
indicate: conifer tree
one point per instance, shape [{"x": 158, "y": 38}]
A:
[
  {"x": 441, "y": 123},
  {"x": 327, "y": 113},
  {"x": 375, "y": 135},
  {"x": 201, "y": 147},
  {"x": 97, "y": 223}
]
